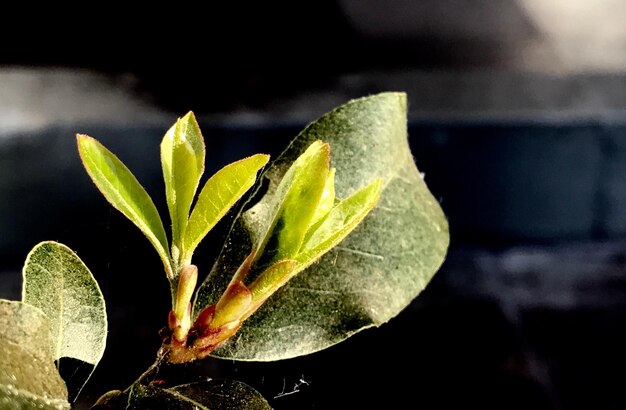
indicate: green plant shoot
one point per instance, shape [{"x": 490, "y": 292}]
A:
[
  {"x": 305, "y": 220},
  {"x": 182, "y": 159},
  {"x": 336, "y": 244}
]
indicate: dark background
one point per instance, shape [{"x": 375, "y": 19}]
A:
[{"x": 516, "y": 116}]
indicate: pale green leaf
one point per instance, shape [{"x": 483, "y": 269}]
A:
[
  {"x": 58, "y": 282},
  {"x": 182, "y": 159},
  {"x": 341, "y": 220},
  {"x": 28, "y": 377},
  {"x": 282, "y": 221},
  {"x": 120, "y": 187},
  {"x": 327, "y": 201},
  {"x": 219, "y": 194},
  {"x": 206, "y": 395},
  {"x": 375, "y": 272},
  {"x": 272, "y": 278},
  {"x": 237, "y": 300}
]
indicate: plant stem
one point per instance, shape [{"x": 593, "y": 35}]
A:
[{"x": 154, "y": 368}]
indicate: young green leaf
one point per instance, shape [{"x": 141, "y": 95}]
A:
[
  {"x": 327, "y": 201},
  {"x": 219, "y": 194},
  {"x": 293, "y": 205},
  {"x": 182, "y": 159},
  {"x": 341, "y": 220},
  {"x": 210, "y": 394},
  {"x": 28, "y": 378},
  {"x": 58, "y": 282},
  {"x": 271, "y": 280},
  {"x": 375, "y": 272},
  {"x": 120, "y": 187},
  {"x": 234, "y": 303}
]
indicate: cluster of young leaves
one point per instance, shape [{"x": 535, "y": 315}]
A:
[
  {"x": 182, "y": 159},
  {"x": 374, "y": 272},
  {"x": 62, "y": 315},
  {"x": 288, "y": 258},
  {"x": 302, "y": 221}
]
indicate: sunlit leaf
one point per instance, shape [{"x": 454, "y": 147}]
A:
[
  {"x": 182, "y": 159},
  {"x": 206, "y": 395},
  {"x": 230, "y": 308},
  {"x": 272, "y": 278},
  {"x": 339, "y": 222},
  {"x": 283, "y": 220},
  {"x": 219, "y": 194},
  {"x": 375, "y": 272},
  {"x": 28, "y": 378},
  {"x": 327, "y": 201},
  {"x": 58, "y": 282},
  {"x": 120, "y": 187}
]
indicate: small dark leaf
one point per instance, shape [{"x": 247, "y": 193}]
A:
[{"x": 209, "y": 395}]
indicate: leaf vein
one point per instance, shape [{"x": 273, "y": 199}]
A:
[{"x": 360, "y": 253}]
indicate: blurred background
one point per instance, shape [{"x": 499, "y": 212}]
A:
[{"x": 517, "y": 117}]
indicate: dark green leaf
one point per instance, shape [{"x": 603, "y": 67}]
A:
[
  {"x": 208, "y": 395},
  {"x": 28, "y": 378},
  {"x": 120, "y": 187},
  {"x": 372, "y": 274},
  {"x": 182, "y": 159},
  {"x": 155, "y": 398},
  {"x": 58, "y": 282}
]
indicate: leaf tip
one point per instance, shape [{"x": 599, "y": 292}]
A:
[
  {"x": 262, "y": 159},
  {"x": 323, "y": 146},
  {"x": 375, "y": 189},
  {"x": 190, "y": 116},
  {"x": 188, "y": 120},
  {"x": 82, "y": 139},
  {"x": 377, "y": 185}
]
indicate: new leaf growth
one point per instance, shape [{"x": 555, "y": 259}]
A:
[
  {"x": 182, "y": 158},
  {"x": 305, "y": 220}
]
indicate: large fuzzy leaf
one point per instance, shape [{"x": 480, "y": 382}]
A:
[
  {"x": 182, "y": 160},
  {"x": 372, "y": 274},
  {"x": 120, "y": 187},
  {"x": 207, "y": 395},
  {"x": 58, "y": 282},
  {"x": 28, "y": 378}
]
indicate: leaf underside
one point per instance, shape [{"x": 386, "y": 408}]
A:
[
  {"x": 28, "y": 377},
  {"x": 58, "y": 282},
  {"x": 372, "y": 274}
]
